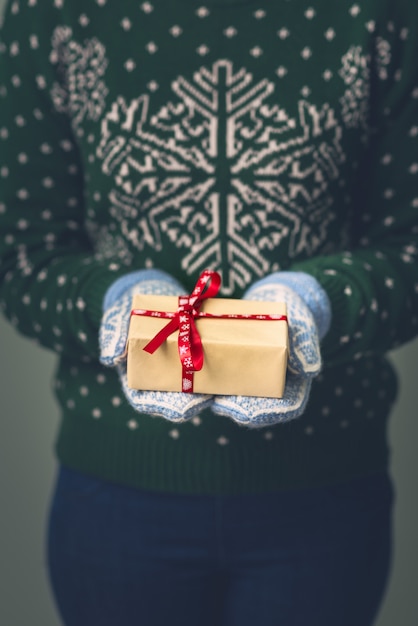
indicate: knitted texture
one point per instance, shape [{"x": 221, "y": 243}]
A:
[
  {"x": 283, "y": 137},
  {"x": 309, "y": 317},
  {"x": 117, "y": 305}
]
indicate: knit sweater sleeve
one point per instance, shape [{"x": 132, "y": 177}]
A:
[
  {"x": 51, "y": 286},
  {"x": 373, "y": 286}
]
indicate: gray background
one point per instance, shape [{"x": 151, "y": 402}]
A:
[{"x": 28, "y": 426}]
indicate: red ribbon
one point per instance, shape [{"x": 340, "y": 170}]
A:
[{"x": 189, "y": 342}]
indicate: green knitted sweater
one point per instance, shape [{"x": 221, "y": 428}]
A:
[{"x": 247, "y": 137}]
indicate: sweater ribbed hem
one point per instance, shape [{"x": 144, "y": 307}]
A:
[{"x": 156, "y": 464}]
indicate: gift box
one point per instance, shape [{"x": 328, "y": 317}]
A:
[{"x": 244, "y": 346}]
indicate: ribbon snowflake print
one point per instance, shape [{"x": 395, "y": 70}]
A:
[{"x": 222, "y": 173}]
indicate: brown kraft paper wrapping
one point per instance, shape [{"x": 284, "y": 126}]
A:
[{"x": 241, "y": 357}]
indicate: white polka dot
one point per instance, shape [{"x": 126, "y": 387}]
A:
[
  {"x": 202, "y": 12},
  {"x": 48, "y": 183},
  {"x": 176, "y": 31},
  {"x": 84, "y": 20},
  {"x": 196, "y": 421},
  {"x": 41, "y": 82},
  {"x": 310, "y": 13},
  {"x": 230, "y": 32},
  {"x": 174, "y": 434},
  {"x": 132, "y": 424},
  {"x": 84, "y": 391},
  {"x": 151, "y": 47},
  {"x": 129, "y": 65},
  {"x": 45, "y": 148},
  {"x": 96, "y": 413},
  {"x": 101, "y": 378},
  {"x": 222, "y": 441},
  {"x": 386, "y": 159},
  {"x": 281, "y": 71},
  {"x": 116, "y": 401},
  {"x": 66, "y": 145},
  {"x": 126, "y": 23},
  {"x": 283, "y": 33},
  {"x": 256, "y": 51},
  {"x": 330, "y": 34},
  {"x": 14, "y": 49},
  {"x": 355, "y": 10}
]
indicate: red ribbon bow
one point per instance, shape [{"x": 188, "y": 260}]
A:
[{"x": 189, "y": 342}]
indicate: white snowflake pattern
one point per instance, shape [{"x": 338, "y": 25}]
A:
[
  {"x": 81, "y": 90},
  {"x": 355, "y": 72},
  {"x": 187, "y": 384},
  {"x": 220, "y": 173},
  {"x": 383, "y": 56},
  {"x": 108, "y": 243}
]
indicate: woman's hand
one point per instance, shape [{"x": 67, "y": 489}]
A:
[
  {"x": 309, "y": 316},
  {"x": 117, "y": 305}
]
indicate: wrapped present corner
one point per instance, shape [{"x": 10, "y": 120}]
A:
[{"x": 221, "y": 346}]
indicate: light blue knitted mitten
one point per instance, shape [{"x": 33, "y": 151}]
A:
[
  {"x": 309, "y": 318},
  {"x": 117, "y": 304}
]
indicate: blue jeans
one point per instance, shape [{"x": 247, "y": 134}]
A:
[{"x": 119, "y": 556}]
